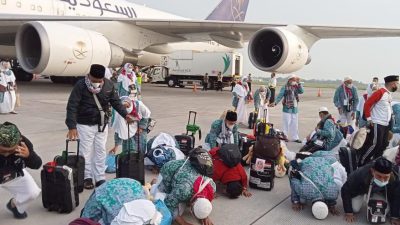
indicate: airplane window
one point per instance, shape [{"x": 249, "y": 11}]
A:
[
  {"x": 3, "y": 2},
  {"x": 33, "y": 7},
  {"x": 39, "y": 8},
  {"x": 19, "y": 4}
]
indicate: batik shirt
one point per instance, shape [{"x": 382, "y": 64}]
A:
[
  {"x": 108, "y": 199},
  {"x": 177, "y": 183}
]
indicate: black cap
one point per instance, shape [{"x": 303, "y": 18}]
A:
[
  {"x": 391, "y": 78},
  {"x": 383, "y": 165},
  {"x": 97, "y": 71},
  {"x": 231, "y": 116}
]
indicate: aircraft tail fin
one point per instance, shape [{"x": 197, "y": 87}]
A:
[{"x": 230, "y": 10}]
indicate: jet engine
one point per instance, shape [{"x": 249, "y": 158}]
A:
[
  {"x": 51, "y": 48},
  {"x": 277, "y": 49}
]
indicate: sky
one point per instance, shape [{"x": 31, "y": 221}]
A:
[{"x": 331, "y": 59}]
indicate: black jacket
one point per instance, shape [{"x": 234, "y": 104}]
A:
[
  {"x": 16, "y": 164},
  {"x": 82, "y": 107},
  {"x": 358, "y": 184}
]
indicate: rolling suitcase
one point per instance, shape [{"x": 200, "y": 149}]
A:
[
  {"x": 262, "y": 174},
  {"x": 348, "y": 159},
  {"x": 186, "y": 142},
  {"x": 76, "y": 162},
  {"x": 131, "y": 165},
  {"x": 252, "y": 119},
  {"x": 58, "y": 190}
]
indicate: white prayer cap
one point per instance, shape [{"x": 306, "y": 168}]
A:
[
  {"x": 323, "y": 109},
  {"x": 347, "y": 78},
  {"x": 202, "y": 208},
  {"x": 320, "y": 210}
]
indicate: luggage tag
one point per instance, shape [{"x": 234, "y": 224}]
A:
[
  {"x": 259, "y": 166},
  {"x": 345, "y": 101}
]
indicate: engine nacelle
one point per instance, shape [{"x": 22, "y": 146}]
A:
[
  {"x": 52, "y": 48},
  {"x": 278, "y": 50}
]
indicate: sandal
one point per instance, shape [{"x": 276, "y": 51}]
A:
[{"x": 88, "y": 184}]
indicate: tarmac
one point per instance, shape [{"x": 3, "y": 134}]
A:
[{"x": 41, "y": 118}]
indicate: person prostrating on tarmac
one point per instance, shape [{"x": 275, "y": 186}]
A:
[{"x": 87, "y": 118}]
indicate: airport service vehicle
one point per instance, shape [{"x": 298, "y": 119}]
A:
[{"x": 188, "y": 68}]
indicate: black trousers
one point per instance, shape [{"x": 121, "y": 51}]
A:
[
  {"x": 272, "y": 99},
  {"x": 219, "y": 86},
  {"x": 205, "y": 85},
  {"x": 249, "y": 84},
  {"x": 375, "y": 144}
]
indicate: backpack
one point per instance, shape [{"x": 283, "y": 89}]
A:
[
  {"x": 230, "y": 155},
  {"x": 161, "y": 155},
  {"x": 201, "y": 160}
]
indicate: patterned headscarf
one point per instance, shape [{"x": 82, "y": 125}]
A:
[{"x": 9, "y": 135}]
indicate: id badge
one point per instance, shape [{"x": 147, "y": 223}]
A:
[
  {"x": 345, "y": 102},
  {"x": 319, "y": 142}
]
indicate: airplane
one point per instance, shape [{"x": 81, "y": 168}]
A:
[{"x": 64, "y": 37}]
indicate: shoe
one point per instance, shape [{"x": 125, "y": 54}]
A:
[
  {"x": 88, "y": 184},
  {"x": 100, "y": 182},
  {"x": 17, "y": 215},
  {"x": 297, "y": 141},
  {"x": 13, "y": 112}
]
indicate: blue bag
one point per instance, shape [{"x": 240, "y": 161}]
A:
[
  {"x": 166, "y": 214},
  {"x": 110, "y": 163}
]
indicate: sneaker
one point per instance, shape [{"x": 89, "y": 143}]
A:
[
  {"x": 17, "y": 215},
  {"x": 100, "y": 182}
]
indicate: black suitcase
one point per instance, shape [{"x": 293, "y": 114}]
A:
[
  {"x": 244, "y": 145},
  {"x": 348, "y": 158},
  {"x": 58, "y": 190},
  {"x": 262, "y": 178},
  {"x": 186, "y": 143},
  {"x": 252, "y": 119},
  {"x": 131, "y": 165},
  {"x": 76, "y": 162}
]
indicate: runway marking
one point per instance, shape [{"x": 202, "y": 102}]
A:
[{"x": 270, "y": 210}]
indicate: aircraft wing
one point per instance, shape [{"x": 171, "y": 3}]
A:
[{"x": 193, "y": 30}]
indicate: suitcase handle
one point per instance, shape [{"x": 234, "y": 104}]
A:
[
  {"x": 78, "y": 141},
  {"x": 195, "y": 115}
]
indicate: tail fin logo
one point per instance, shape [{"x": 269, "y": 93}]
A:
[
  {"x": 238, "y": 10},
  {"x": 227, "y": 63}
]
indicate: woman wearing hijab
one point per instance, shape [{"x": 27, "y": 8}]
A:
[
  {"x": 137, "y": 130},
  {"x": 8, "y": 87}
]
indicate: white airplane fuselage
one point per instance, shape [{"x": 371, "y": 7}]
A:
[{"x": 146, "y": 43}]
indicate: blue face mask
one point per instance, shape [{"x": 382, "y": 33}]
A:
[{"x": 380, "y": 183}]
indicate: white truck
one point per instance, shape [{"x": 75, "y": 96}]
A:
[{"x": 188, "y": 68}]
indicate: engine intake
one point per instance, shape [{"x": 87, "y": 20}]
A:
[
  {"x": 52, "y": 48},
  {"x": 277, "y": 50}
]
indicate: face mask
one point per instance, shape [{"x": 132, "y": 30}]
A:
[
  {"x": 394, "y": 89},
  {"x": 349, "y": 85},
  {"x": 230, "y": 127},
  {"x": 380, "y": 183},
  {"x": 96, "y": 85},
  {"x": 129, "y": 70},
  {"x": 293, "y": 83}
]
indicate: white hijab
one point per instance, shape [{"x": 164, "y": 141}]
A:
[
  {"x": 138, "y": 212},
  {"x": 120, "y": 125}
]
